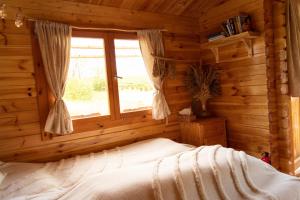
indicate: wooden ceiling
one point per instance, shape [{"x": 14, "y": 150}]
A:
[{"x": 188, "y": 8}]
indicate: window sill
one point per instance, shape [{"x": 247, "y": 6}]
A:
[{"x": 104, "y": 122}]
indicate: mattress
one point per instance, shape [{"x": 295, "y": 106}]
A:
[{"x": 154, "y": 169}]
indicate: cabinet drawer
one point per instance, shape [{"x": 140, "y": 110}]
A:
[
  {"x": 204, "y": 132},
  {"x": 191, "y": 134},
  {"x": 218, "y": 128},
  {"x": 219, "y": 139}
]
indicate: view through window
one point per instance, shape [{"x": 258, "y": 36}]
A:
[
  {"x": 86, "y": 92},
  {"x": 135, "y": 89}
]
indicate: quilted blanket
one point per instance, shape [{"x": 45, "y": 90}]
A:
[{"x": 155, "y": 169}]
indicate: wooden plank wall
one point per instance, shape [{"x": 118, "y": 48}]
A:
[
  {"x": 258, "y": 111},
  {"x": 255, "y": 96},
  {"x": 244, "y": 101},
  {"x": 20, "y": 138}
]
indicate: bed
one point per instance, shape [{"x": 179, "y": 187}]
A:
[{"x": 152, "y": 169}]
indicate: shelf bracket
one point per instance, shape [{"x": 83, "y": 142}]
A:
[
  {"x": 249, "y": 45},
  {"x": 215, "y": 51}
]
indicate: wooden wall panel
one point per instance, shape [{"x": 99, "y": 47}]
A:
[
  {"x": 20, "y": 135},
  {"x": 244, "y": 101},
  {"x": 255, "y": 97}
]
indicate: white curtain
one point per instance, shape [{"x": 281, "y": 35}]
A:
[
  {"x": 151, "y": 43},
  {"x": 293, "y": 46},
  {"x": 55, "y": 44}
]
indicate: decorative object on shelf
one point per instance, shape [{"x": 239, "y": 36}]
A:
[
  {"x": 237, "y": 24},
  {"x": 3, "y": 15},
  {"x": 217, "y": 36},
  {"x": 19, "y": 18},
  {"x": 203, "y": 83},
  {"x": 3, "y": 12},
  {"x": 233, "y": 30}
]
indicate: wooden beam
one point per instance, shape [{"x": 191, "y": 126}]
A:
[{"x": 80, "y": 14}]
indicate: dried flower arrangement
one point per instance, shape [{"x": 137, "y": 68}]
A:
[
  {"x": 203, "y": 83},
  {"x": 164, "y": 69}
]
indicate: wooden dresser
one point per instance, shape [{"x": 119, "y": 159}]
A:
[{"x": 208, "y": 131}]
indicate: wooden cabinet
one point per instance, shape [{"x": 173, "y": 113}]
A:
[{"x": 209, "y": 131}]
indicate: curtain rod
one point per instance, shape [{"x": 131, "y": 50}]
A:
[
  {"x": 114, "y": 29},
  {"x": 176, "y": 60},
  {"x": 105, "y": 29},
  {"x": 126, "y": 30}
]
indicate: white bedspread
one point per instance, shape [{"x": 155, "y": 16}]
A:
[{"x": 153, "y": 169}]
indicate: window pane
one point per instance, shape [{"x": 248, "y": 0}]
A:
[
  {"x": 86, "y": 92},
  {"x": 135, "y": 89}
]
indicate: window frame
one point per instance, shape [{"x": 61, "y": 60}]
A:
[
  {"x": 104, "y": 36},
  {"x": 122, "y": 36},
  {"x": 91, "y": 123}
]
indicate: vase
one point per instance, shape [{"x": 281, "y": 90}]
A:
[
  {"x": 204, "y": 112},
  {"x": 199, "y": 108}
]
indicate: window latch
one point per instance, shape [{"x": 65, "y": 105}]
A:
[{"x": 119, "y": 77}]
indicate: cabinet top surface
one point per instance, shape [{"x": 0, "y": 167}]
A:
[{"x": 206, "y": 120}]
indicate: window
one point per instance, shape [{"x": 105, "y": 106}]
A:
[
  {"x": 107, "y": 78},
  {"x": 135, "y": 89},
  {"x": 86, "y": 92},
  {"x": 107, "y": 83}
]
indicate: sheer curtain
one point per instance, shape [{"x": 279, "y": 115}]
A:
[
  {"x": 151, "y": 45},
  {"x": 55, "y": 43},
  {"x": 293, "y": 46}
]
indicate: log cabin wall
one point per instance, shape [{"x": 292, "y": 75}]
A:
[
  {"x": 271, "y": 82},
  {"x": 283, "y": 143},
  {"x": 255, "y": 97},
  {"x": 20, "y": 130},
  {"x": 285, "y": 136},
  {"x": 258, "y": 111},
  {"x": 248, "y": 101}
]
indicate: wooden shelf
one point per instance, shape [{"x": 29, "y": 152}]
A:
[{"x": 246, "y": 38}]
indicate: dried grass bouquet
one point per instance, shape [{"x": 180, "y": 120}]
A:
[{"x": 203, "y": 83}]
